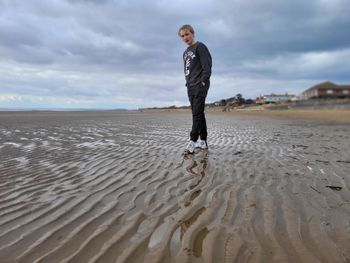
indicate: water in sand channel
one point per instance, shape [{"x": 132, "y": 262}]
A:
[{"x": 114, "y": 187}]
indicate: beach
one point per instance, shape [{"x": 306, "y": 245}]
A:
[{"x": 110, "y": 186}]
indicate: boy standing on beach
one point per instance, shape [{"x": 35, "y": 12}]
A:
[{"x": 197, "y": 69}]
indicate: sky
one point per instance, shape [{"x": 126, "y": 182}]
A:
[{"x": 110, "y": 54}]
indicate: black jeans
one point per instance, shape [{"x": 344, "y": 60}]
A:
[{"x": 199, "y": 125}]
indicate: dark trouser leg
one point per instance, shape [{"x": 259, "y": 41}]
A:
[
  {"x": 199, "y": 125},
  {"x": 203, "y": 132}
]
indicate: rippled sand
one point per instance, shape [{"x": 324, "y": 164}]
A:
[{"x": 115, "y": 187}]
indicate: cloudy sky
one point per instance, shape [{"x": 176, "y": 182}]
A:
[{"x": 126, "y": 53}]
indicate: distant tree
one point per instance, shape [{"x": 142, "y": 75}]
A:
[
  {"x": 223, "y": 102},
  {"x": 240, "y": 99}
]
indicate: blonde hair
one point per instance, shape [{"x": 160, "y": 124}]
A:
[{"x": 186, "y": 27}]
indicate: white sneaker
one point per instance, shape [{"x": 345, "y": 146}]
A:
[
  {"x": 201, "y": 144},
  {"x": 190, "y": 147}
]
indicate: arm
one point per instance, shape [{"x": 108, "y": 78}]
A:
[
  {"x": 206, "y": 62},
  {"x": 184, "y": 60}
]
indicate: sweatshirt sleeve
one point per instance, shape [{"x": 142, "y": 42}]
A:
[{"x": 206, "y": 62}]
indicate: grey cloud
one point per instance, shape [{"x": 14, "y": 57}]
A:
[
  {"x": 272, "y": 27},
  {"x": 116, "y": 39},
  {"x": 14, "y": 36},
  {"x": 131, "y": 48}
]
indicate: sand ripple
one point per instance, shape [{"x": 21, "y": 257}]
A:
[{"x": 115, "y": 187}]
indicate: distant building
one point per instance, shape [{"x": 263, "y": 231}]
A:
[
  {"x": 274, "y": 98},
  {"x": 326, "y": 90}
]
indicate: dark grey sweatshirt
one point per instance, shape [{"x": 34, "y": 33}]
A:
[{"x": 197, "y": 68}]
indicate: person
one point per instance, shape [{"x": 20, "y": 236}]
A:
[{"x": 197, "y": 68}]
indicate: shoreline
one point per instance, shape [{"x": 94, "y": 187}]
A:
[
  {"x": 340, "y": 116},
  {"x": 327, "y": 115}
]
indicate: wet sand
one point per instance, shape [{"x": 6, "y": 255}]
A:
[
  {"x": 329, "y": 116},
  {"x": 115, "y": 187}
]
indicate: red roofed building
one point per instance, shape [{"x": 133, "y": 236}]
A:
[{"x": 327, "y": 90}]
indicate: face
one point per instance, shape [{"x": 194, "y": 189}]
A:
[{"x": 187, "y": 37}]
